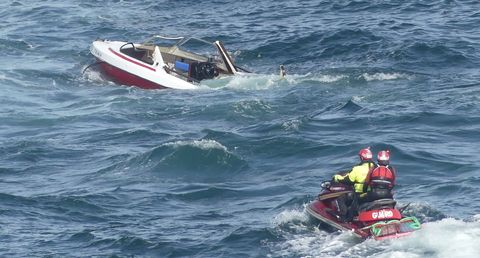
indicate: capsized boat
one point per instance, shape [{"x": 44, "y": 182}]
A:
[
  {"x": 164, "y": 62},
  {"x": 379, "y": 219}
]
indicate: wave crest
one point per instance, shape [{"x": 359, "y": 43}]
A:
[
  {"x": 193, "y": 159},
  {"x": 385, "y": 76},
  {"x": 204, "y": 144}
]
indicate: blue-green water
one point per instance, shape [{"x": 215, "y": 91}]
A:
[{"x": 90, "y": 168}]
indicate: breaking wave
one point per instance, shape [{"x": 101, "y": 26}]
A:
[
  {"x": 385, "y": 76},
  {"x": 188, "y": 160}
]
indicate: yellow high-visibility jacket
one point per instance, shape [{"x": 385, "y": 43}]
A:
[{"x": 356, "y": 176}]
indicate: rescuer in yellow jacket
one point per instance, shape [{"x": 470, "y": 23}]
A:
[{"x": 355, "y": 177}]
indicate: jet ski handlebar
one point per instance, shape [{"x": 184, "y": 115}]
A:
[{"x": 326, "y": 184}]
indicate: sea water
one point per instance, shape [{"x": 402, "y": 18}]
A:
[{"x": 91, "y": 168}]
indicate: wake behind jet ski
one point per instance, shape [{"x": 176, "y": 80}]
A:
[{"x": 362, "y": 201}]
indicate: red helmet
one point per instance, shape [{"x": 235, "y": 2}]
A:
[
  {"x": 365, "y": 154},
  {"x": 383, "y": 157}
]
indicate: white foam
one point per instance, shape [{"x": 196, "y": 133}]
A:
[
  {"x": 303, "y": 240},
  {"x": 291, "y": 125},
  {"x": 316, "y": 244},
  {"x": 328, "y": 78},
  {"x": 385, "y": 76},
  {"x": 30, "y": 46},
  {"x": 445, "y": 238},
  {"x": 253, "y": 82},
  {"x": 263, "y": 81},
  {"x": 267, "y": 81},
  {"x": 201, "y": 144},
  {"x": 323, "y": 78},
  {"x": 358, "y": 98},
  {"x": 476, "y": 217},
  {"x": 243, "y": 107},
  {"x": 101, "y": 17},
  {"x": 289, "y": 216},
  {"x": 92, "y": 75}
]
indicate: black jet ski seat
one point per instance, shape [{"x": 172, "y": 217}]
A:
[{"x": 377, "y": 204}]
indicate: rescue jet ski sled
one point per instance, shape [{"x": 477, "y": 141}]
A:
[
  {"x": 379, "y": 219},
  {"x": 164, "y": 62}
]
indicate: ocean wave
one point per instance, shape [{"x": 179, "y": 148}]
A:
[
  {"x": 131, "y": 244},
  {"x": 424, "y": 212},
  {"x": 329, "y": 78},
  {"x": 292, "y": 125},
  {"x": 16, "y": 200},
  {"x": 248, "y": 82},
  {"x": 81, "y": 206},
  {"x": 350, "y": 77},
  {"x": 289, "y": 216},
  {"x": 430, "y": 241},
  {"x": 203, "y": 159},
  {"x": 326, "y": 77},
  {"x": 209, "y": 193},
  {"x": 125, "y": 244},
  {"x": 246, "y": 236},
  {"x": 252, "y": 108},
  {"x": 435, "y": 54},
  {"x": 300, "y": 237},
  {"x": 385, "y": 76},
  {"x": 263, "y": 82},
  {"x": 83, "y": 236},
  {"x": 95, "y": 76},
  {"x": 340, "y": 110},
  {"x": 203, "y": 144},
  {"x": 16, "y": 47}
]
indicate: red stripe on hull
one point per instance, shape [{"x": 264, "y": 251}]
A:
[
  {"x": 131, "y": 61},
  {"x": 122, "y": 77}
]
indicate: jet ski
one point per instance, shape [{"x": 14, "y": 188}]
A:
[
  {"x": 379, "y": 219},
  {"x": 164, "y": 62}
]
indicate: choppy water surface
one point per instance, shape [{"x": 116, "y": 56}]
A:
[{"x": 90, "y": 168}]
